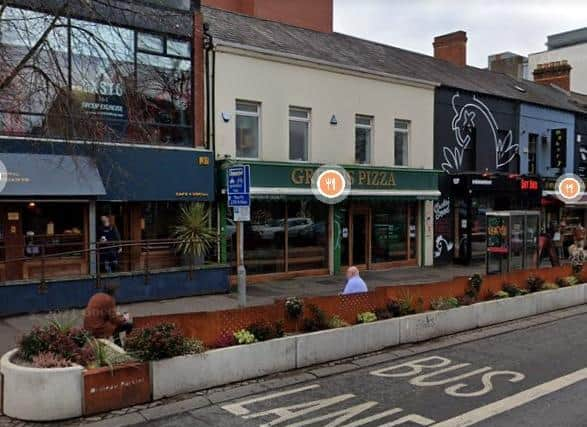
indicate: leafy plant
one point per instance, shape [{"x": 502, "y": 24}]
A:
[
  {"x": 444, "y": 303},
  {"x": 65, "y": 342},
  {"x": 474, "y": 286},
  {"x": 410, "y": 305},
  {"x": 317, "y": 321},
  {"x": 549, "y": 286},
  {"x": 501, "y": 295},
  {"x": 511, "y": 289},
  {"x": 534, "y": 283},
  {"x": 366, "y": 317},
  {"x": 264, "y": 330},
  {"x": 294, "y": 307},
  {"x": 395, "y": 308},
  {"x": 160, "y": 342},
  {"x": 336, "y": 322},
  {"x": 383, "y": 313},
  {"x": 564, "y": 282},
  {"x": 50, "y": 360},
  {"x": 193, "y": 231},
  {"x": 244, "y": 337},
  {"x": 225, "y": 340},
  {"x": 105, "y": 356}
]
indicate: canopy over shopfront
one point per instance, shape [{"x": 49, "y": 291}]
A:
[{"x": 46, "y": 175}]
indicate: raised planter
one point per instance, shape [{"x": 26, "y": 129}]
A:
[
  {"x": 35, "y": 394},
  {"x": 222, "y": 366},
  {"x": 432, "y": 324},
  {"x": 333, "y": 344}
]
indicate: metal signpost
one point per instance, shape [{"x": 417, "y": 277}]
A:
[{"x": 238, "y": 183}]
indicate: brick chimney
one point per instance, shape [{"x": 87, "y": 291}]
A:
[
  {"x": 556, "y": 73},
  {"x": 452, "y": 47}
]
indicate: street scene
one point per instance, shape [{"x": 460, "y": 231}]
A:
[{"x": 293, "y": 212}]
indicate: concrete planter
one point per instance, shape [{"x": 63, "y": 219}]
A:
[
  {"x": 432, "y": 324},
  {"x": 34, "y": 394},
  {"x": 222, "y": 366},
  {"x": 560, "y": 298},
  {"x": 505, "y": 310},
  {"x": 333, "y": 344}
]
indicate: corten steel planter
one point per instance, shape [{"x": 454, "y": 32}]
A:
[
  {"x": 36, "y": 394},
  {"x": 118, "y": 387}
]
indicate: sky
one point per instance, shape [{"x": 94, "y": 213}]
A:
[{"x": 492, "y": 26}]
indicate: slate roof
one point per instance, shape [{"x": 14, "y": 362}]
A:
[{"x": 349, "y": 51}]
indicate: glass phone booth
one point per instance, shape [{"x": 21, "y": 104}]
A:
[{"x": 512, "y": 240}]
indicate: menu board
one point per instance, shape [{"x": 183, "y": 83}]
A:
[{"x": 497, "y": 234}]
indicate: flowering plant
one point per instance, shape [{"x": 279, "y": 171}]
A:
[{"x": 294, "y": 307}]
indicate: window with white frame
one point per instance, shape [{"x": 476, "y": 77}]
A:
[
  {"x": 363, "y": 138},
  {"x": 401, "y": 142},
  {"x": 299, "y": 133},
  {"x": 247, "y": 129}
]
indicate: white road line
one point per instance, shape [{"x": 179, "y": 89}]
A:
[
  {"x": 239, "y": 409},
  {"x": 480, "y": 414}
]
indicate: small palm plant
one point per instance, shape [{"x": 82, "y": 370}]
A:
[{"x": 194, "y": 235}]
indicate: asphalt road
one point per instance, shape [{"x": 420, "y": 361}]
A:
[{"x": 531, "y": 377}]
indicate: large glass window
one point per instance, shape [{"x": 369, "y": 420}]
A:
[
  {"x": 363, "y": 138},
  {"x": 92, "y": 81},
  {"x": 247, "y": 129},
  {"x": 299, "y": 133},
  {"x": 394, "y": 232},
  {"x": 532, "y": 143},
  {"x": 307, "y": 232},
  {"x": 401, "y": 142}
]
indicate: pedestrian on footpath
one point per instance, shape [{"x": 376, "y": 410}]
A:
[{"x": 354, "y": 284}]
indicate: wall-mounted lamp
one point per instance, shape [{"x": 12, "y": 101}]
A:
[
  {"x": 333, "y": 120},
  {"x": 226, "y": 116}
]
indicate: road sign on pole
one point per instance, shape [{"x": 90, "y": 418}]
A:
[{"x": 238, "y": 185}]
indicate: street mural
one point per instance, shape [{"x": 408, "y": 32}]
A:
[
  {"x": 463, "y": 124},
  {"x": 442, "y": 245}
]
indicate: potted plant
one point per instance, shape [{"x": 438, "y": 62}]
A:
[{"x": 193, "y": 232}]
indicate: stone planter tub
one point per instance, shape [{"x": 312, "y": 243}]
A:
[{"x": 35, "y": 394}]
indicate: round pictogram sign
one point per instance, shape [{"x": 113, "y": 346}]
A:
[
  {"x": 331, "y": 184},
  {"x": 3, "y": 175},
  {"x": 569, "y": 188}
]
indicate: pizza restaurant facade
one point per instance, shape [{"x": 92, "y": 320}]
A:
[{"x": 385, "y": 221}]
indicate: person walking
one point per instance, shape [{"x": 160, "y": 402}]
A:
[
  {"x": 354, "y": 284},
  {"x": 108, "y": 236}
]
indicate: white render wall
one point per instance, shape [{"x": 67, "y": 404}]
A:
[
  {"x": 278, "y": 85},
  {"x": 575, "y": 55}
]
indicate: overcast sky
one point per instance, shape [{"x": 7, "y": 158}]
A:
[{"x": 492, "y": 26}]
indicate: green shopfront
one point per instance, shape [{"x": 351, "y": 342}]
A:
[{"x": 385, "y": 222}]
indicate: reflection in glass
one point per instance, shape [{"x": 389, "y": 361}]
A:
[
  {"x": 390, "y": 232},
  {"x": 307, "y": 233}
]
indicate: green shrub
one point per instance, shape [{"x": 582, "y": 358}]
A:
[
  {"x": 534, "y": 283},
  {"x": 69, "y": 343},
  {"x": 444, "y": 303},
  {"x": 549, "y": 286},
  {"x": 383, "y": 313},
  {"x": 317, "y": 321},
  {"x": 394, "y": 308},
  {"x": 501, "y": 295},
  {"x": 474, "y": 286},
  {"x": 162, "y": 341},
  {"x": 264, "y": 330},
  {"x": 336, "y": 322},
  {"x": 366, "y": 317},
  {"x": 511, "y": 289},
  {"x": 294, "y": 307},
  {"x": 244, "y": 337}
]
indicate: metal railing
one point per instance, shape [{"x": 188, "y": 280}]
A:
[{"x": 98, "y": 260}]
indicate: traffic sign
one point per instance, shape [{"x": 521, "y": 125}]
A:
[{"x": 238, "y": 185}]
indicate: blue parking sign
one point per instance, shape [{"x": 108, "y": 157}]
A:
[{"x": 238, "y": 185}]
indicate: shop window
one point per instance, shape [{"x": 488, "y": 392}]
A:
[
  {"x": 53, "y": 228},
  {"x": 391, "y": 231},
  {"x": 401, "y": 142},
  {"x": 307, "y": 232},
  {"x": 363, "y": 138},
  {"x": 532, "y": 143},
  {"x": 247, "y": 129},
  {"x": 299, "y": 133},
  {"x": 159, "y": 220},
  {"x": 93, "y": 81}
]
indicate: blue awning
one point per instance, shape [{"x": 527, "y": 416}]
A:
[{"x": 49, "y": 175}]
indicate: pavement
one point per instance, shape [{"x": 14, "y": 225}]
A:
[{"x": 11, "y": 328}]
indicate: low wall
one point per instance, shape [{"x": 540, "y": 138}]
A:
[{"x": 67, "y": 294}]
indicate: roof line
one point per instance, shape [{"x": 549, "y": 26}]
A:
[{"x": 358, "y": 71}]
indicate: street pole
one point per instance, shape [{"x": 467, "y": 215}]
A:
[{"x": 241, "y": 271}]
